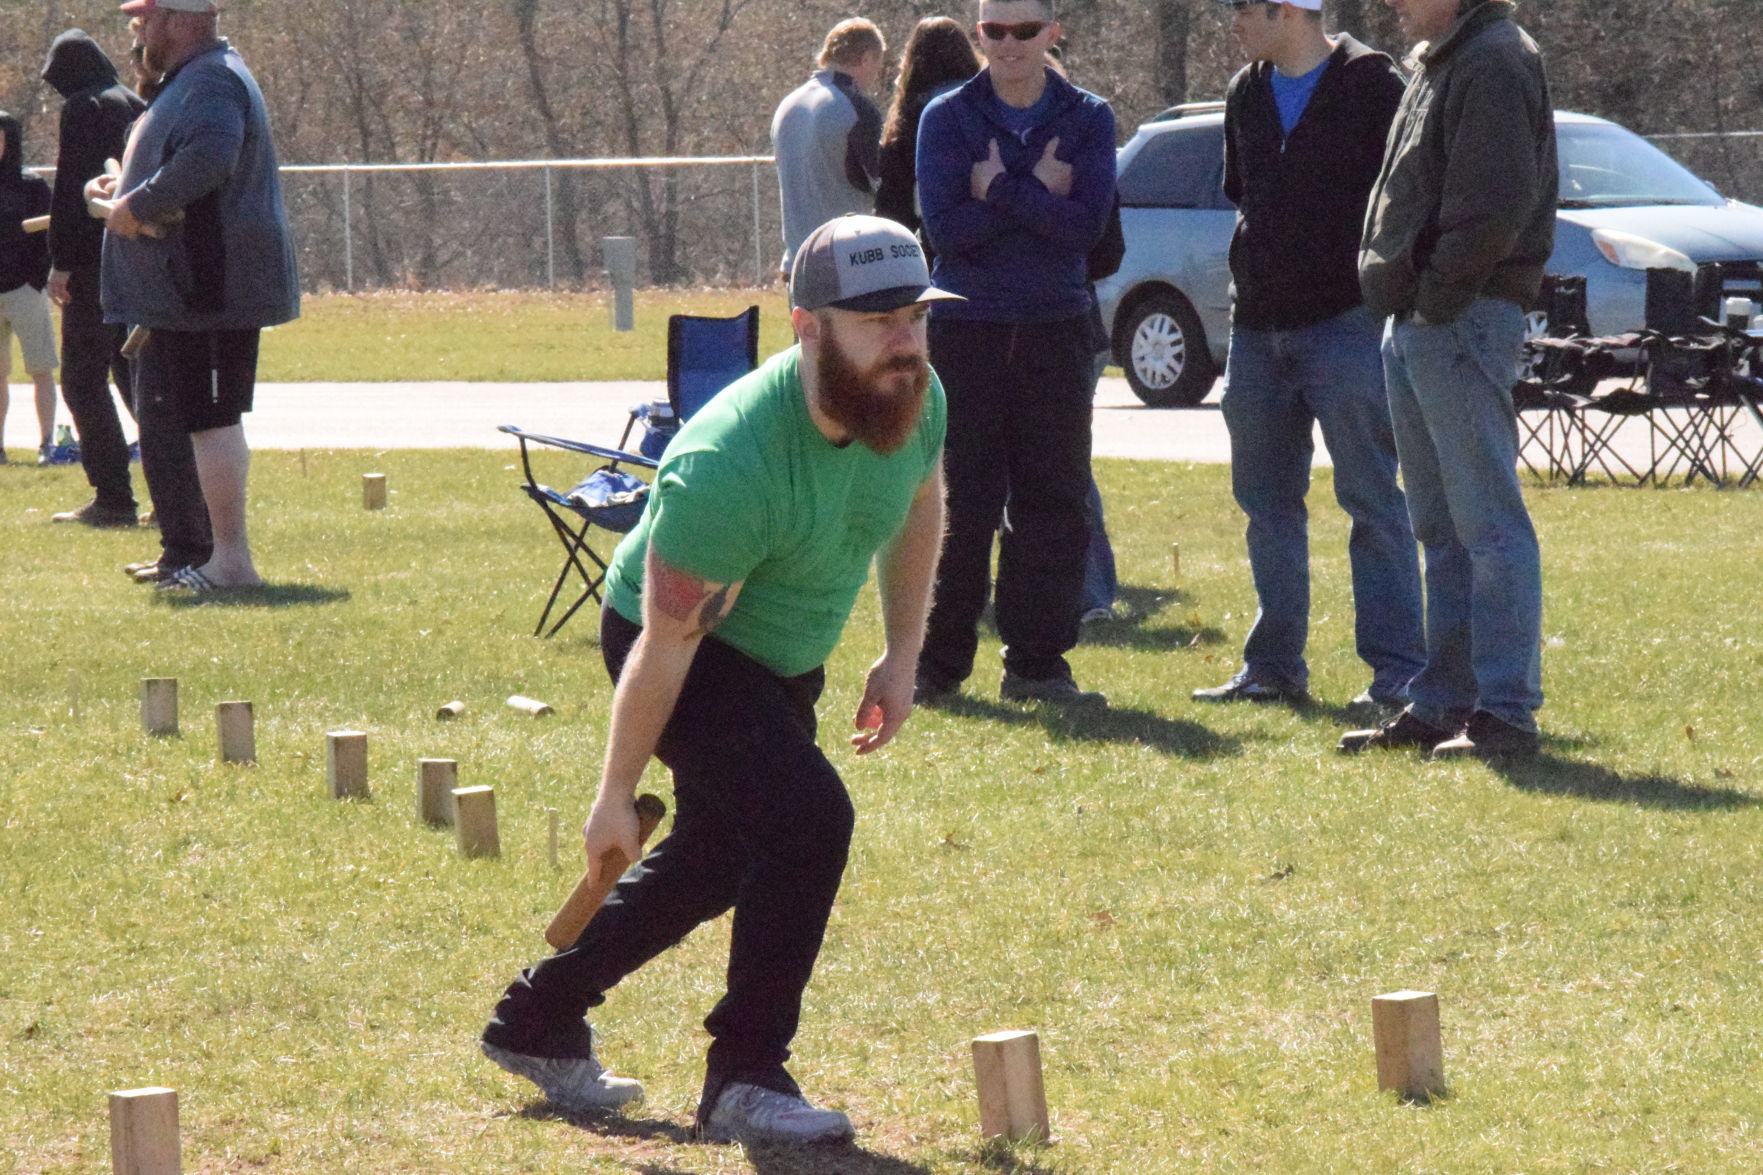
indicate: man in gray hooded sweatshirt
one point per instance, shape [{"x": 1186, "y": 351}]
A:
[{"x": 95, "y": 118}]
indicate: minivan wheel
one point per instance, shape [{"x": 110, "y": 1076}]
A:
[{"x": 1162, "y": 348}]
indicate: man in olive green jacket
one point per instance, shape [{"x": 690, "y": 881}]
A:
[{"x": 1460, "y": 225}]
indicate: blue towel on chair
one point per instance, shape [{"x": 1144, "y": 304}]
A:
[{"x": 615, "y": 499}]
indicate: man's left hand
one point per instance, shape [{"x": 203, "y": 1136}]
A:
[
  {"x": 121, "y": 221},
  {"x": 887, "y": 699},
  {"x": 1053, "y": 172}
]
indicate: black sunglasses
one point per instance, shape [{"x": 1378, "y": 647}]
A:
[{"x": 1022, "y": 30}]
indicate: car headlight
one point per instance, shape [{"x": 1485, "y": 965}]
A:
[{"x": 1628, "y": 251}]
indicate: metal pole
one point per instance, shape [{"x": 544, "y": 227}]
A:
[
  {"x": 550, "y": 234},
  {"x": 758, "y": 249},
  {"x": 348, "y": 238}
]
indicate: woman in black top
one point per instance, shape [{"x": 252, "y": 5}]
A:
[{"x": 938, "y": 57}]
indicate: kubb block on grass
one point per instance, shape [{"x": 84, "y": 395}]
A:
[
  {"x": 528, "y": 705},
  {"x": 450, "y": 711},
  {"x": 435, "y": 781},
  {"x": 1012, "y": 1102},
  {"x": 159, "y": 705},
  {"x": 238, "y": 732},
  {"x": 474, "y": 818},
  {"x": 345, "y": 764},
  {"x": 144, "y": 1132},
  {"x": 1410, "y": 1057},
  {"x": 373, "y": 491}
]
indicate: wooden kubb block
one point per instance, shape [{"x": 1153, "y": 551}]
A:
[
  {"x": 237, "y": 728},
  {"x": 1410, "y": 1055},
  {"x": 373, "y": 491},
  {"x": 159, "y": 705},
  {"x": 1012, "y": 1101},
  {"x": 474, "y": 819},
  {"x": 345, "y": 764},
  {"x": 144, "y": 1132},
  {"x": 436, "y": 780}
]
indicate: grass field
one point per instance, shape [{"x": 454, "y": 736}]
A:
[{"x": 1194, "y": 906}]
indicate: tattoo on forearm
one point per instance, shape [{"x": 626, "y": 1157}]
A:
[{"x": 679, "y": 595}]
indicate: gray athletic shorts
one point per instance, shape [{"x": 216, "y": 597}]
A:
[{"x": 25, "y": 312}]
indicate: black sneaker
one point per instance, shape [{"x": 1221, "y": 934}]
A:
[
  {"x": 933, "y": 691},
  {"x": 1243, "y": 688},
  {"x": 1488, "y": 737},
  {"x": 96, "y": 514},
  {"x": 1057, "y": 691},
  {"x": 1402, "y": 730}
]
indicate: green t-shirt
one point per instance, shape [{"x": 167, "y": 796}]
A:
[{"x": 751, "y": 492}]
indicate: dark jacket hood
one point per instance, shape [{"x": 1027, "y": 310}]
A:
[
  {"x": 12, "y": 163},
  {"x": 76, "y": 63}
]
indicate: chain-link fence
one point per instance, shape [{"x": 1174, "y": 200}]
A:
[{"x": 532, "y": 224}]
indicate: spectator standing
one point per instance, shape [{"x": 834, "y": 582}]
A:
[
  {"x": 1461, "y": 223},
  {"x": 721, "y": 608},
  {"x": 1304, "y": 130},
  {"x": 24, "y": 269},
  {"x": 938, "y": 57},
  {"x": 201, "y": 167},
  {"x": 1016, "y": 179},
  {"x": 96, "y": 112},
  {"x": 826, "y": 135}
]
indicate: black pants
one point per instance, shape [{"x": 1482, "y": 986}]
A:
[
  {"x": 91, "y": 355},
  {"x": 761, "y": 823},
  {"x": 1019, "y": 433}
]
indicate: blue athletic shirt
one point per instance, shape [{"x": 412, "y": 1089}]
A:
[{"x": 1293, "y": 94}]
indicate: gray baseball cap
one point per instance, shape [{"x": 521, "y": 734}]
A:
[{"x": 863, "y": 263}]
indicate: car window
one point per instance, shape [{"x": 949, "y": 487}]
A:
[
  {"x": 1605, "y": 166},
  {"x": 1179, "y": 168}
]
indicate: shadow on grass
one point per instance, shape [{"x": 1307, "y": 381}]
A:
[
  {"x": 1131, "y": 631},
  {"x": 1190, "y": 740},
  {"x": 774, "y": 1159},
  {"x": 1011, "y": 1158},
  {"x": 269, "y": 595},
  {"x": 1553, "y": 775}
]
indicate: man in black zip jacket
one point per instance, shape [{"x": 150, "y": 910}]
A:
[
  {"x": 1305, "y": 125},
  {"x": 95, "y": 120}
]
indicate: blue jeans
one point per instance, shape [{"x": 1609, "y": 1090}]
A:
[
  {"x": 1457, "y": 435},
  {"x": 1100, "y": 579},
  {"x": 1277, "y": 384}
]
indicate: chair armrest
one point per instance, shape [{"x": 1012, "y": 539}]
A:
[{"x": 577, "y": 446}]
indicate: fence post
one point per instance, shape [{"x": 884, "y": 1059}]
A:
[
  {"x": 758, "y": 254},
  {"x": 348, "y": 238},
  {"x": 550, "y": 233}
]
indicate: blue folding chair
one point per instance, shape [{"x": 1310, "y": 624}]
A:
[{"x": 704, "y": 355}]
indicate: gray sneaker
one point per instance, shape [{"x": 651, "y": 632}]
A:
[
  {"x": 751, "y": 1113},
  {"x": 571, "y": 1083},
  {"x": 1058, "y": 691}
]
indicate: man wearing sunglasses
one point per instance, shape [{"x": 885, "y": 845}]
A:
[
  {"x": 1016, "y": 181},
  {"x": 1304, "y": 130},
  {"x": 1460, "y": 225}
]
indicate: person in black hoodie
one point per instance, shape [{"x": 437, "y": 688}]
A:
[
  {"x": 1304, "y": 125},
  {"x": 95, "y": 119},
  {"x": 24, "y": 266}
]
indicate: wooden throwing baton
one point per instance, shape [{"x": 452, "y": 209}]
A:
[{"x": 584, "y": 900}]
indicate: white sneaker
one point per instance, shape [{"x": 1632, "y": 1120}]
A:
[
  {"x": 571, "y": 1083},
  {"x": 752, "y": 1113}
]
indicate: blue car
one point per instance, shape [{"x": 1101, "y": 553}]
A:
[{"x": 1626, "y": 207}]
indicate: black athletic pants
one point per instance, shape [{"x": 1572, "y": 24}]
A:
[
  {"x": 761, "y": 823},
  {"x": 1019, "y": 434},
  {"x": 91, "y": 354}
]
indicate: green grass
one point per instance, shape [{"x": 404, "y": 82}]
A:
[
  {"x": 1194, "y": 906},
  {"x": 496, "y": 335}
]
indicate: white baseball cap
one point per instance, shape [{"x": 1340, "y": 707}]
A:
[
  {"x": 865, "y": 263},
  {"x": 1312, "y": 5},
  {"x": 143, "y": 7}
]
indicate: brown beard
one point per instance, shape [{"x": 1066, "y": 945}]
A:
[{"x": 878, "y": 405}]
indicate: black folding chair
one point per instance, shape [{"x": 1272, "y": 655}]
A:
[{"x": 704, "y": 355}]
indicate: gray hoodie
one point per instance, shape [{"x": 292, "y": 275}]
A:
[{"x": 203, "y": 148}]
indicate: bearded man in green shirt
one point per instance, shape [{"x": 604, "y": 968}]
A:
[{"x": 722, "y": 605}]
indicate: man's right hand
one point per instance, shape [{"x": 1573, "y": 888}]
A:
[
  {"x": 101, "y": 187},
  {"x": 612, "y": 824},
  {"x": 985, "y": 171},
  {"x": 60, "y": 287}
]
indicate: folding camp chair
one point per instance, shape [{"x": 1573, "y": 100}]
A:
[{"x": 704, "y": 355}]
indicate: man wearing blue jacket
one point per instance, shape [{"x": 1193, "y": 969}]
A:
[
  {"x": 197, "y": 251},
  {"x": 1016, "y": 180}
]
